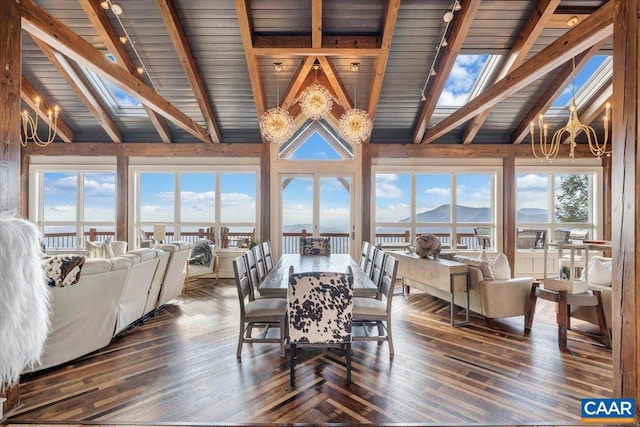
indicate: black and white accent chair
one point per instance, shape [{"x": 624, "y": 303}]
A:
[{"x": 319, "y": 308}]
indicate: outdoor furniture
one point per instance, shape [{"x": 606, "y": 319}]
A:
[
  {"x": 320, "y": 313},
  {"x": 315, "y": 246}
]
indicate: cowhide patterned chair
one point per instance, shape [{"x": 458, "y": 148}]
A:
[
  {"x": 315, "y": 246},
  {"x": 320, "y": 309}
]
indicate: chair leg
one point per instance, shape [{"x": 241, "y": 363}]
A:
[
  {"x": 389, "y": 337},
  {"x": 240, "y": 339},
  {"x": 348, "y": 356},
  {"x": 282, "y": 335},
  {"x": 292, "y": 358},
  {"x": 380, "y": 328}
]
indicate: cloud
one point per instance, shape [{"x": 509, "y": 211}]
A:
[
  {"x": 192, "y": 196},
  {"x": 392, "y": 213},
  {"x": 532, "y": 181},
  {"x": 385, "y": 189},
  {"x": 96, "y": 188},
  {"x": 438, "y": 191}
]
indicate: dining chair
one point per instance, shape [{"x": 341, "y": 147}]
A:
[
  {"x": 320, "y": 313},
  {"x": 268, "y": 257},
  {"x": 364, "y": 254},
  {"x": 377, "y": 269},
  {"x": 260, "y": 262},
  {"x": 367, "y": 311},
  {"x": 370, "y": 257},
  {"x": 265, "y": 312},
  {"x": 252, "y": 272},
  {"x": 315, "y": 246}
]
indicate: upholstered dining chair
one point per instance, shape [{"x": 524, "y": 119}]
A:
[
  {"x": 263, "y": 313},
  {"x": 320, "y": 313},
  {"x": 315, "y": 246},
  {"x": 367, "y": 311}
]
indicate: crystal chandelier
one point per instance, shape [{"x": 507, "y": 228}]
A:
[
  {"x": 316, "y": 101},
  {"x": 549, "y": 151},
  {"x": 30, "y": 126},
  {"x": 355, "y": 125},
  {"x": 276, "y": 124}
]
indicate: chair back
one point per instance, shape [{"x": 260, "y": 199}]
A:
[
  {"x": 242, "y": 282},
  {"x": 364, "y": 255},
  {"x": 369, "y": 263},
  {"x": 252, "y": 271},
  {"x": 268, "y": 257},
  {"x": 377, "y": 269},
  {"x": 260, "y": 262},
  {"x": 315, "y": 246},
  {"x": 483, "y": 235},
  {"x": 320, "y": 307},
  {"x": 388, "y": 281}
]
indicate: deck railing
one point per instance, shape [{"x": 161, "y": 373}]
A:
[{"x": 290, "y": 240}]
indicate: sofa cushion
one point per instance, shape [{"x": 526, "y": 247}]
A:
[
  {"x": 484, "y": 266},
  {"x": 99, "y": 249},
  {"x": 599, "y": 272},
  {"x": 499, "y": 266}
]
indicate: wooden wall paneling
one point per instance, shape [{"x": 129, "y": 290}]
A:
[
  {"x": 625, "y": 180},
  {"x": 11, "y": 64}
]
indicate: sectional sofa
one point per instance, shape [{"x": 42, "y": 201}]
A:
[{"x": 110, "y": 295}]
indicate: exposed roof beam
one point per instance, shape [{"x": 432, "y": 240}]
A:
[
  {"x": 342, "y": 95},
  {"x": 179, "y": 39},
  {"x": 28, "y": 94},
  {"x": 320, "y": 51},
  {"x": 297, "y": 82},
  {"x": 456, "y": 39},
  {"x": 252, "y": 64},
  {"x": 341, "y": 41},
  {"x": 591, "y": 31},
  {"x": 316, "y": 23},
  {"x": 559, "y": 20},
  {"x": 388, "y": 28},
  {"x": 79, "y": 84},
  {"x": 38, "y": 22},
  {"x": 109, "y": 36},
  {"x": 529, "y": 34},
  {"x": 552, "y": 91}
]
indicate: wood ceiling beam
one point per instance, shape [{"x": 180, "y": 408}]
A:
[
  {"x": 591, "y": 31},
  {"x": 551, "y": 92},
  {"x": 329, "y": 70},
  {"x": 456, "y": 39},
  {"x": 529, "y": 34},
  {"x": 28, "y": 94},
  {"x": 316, "y": 23},
  {"x": 79, "y": 84},
  {"x": 559, "y": 20},
  {"x": 297, "y": 82},
  {"x": 42, "y": 25},
  {"x": 244, "y": 23},
  {"x": 388, "y": 28},
  {"x": 341, "y": 41},
  {"x": 181, "y": 43},
  {"x": 320, "y": 51},
  {"x": 110, "y": 38}
]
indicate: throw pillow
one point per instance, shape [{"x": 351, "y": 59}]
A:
[
  {"x": 599, "y": 272},
  {"x": 62, "y": 270},
  {"x": 484, "y": 266},
  {"x": 99, "y": 249},
  {"x": 499, "y": 266}
]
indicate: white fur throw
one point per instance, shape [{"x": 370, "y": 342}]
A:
[{"x": 24, "y": 299}]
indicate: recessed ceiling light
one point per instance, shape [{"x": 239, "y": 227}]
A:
[
  {"x": 571, "y": 22},
  {"x": 104, "y": 4}
]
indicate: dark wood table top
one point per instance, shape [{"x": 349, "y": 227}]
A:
[{"x": 277, "y": 281}]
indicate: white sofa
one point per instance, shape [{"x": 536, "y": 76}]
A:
[
  {"x": 600, "y": 276},
  {"x": 175, "y": 274}
]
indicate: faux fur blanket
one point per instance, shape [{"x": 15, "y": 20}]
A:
[
  {"x": 24, "y": 298},
  {"x": 63, "y": 270}
]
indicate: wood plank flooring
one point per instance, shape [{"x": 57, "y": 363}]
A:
[{"x": 180, "y": 368}]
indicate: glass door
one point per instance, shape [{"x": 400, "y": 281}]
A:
[{"x": 317, "y": 205}]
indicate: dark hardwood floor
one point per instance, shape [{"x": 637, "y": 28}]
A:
[{"x": 179, "y": 367}]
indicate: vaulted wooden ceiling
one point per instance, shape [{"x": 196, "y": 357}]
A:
[{"x": 209, "y": 65}]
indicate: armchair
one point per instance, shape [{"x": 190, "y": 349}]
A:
[{"x": 202, "y": 261}]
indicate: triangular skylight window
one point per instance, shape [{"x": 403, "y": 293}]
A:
[
  {"x": 469, "y": 76},
  {"x": 120, "y": 101},
  {"x": 587, "y": 81},
  {"x": 315, "y": 142}
]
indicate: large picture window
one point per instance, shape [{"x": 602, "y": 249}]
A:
[
  {"x": 556, "y": 206},
  {"x": 459, "y": 208},
  {"x": 72, "y": 206},
  {"x": 219, "y": 205}
]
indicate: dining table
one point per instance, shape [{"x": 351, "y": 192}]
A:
[{"x": 276, "y": 283}]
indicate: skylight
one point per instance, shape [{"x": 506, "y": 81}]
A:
[
  {"x": 588, "y": 80},
  {"x": 120, "y": 101},
  {"x": 469, "y": 76}
]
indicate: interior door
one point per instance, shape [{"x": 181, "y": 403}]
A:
[{"x": 319, "y": 205}]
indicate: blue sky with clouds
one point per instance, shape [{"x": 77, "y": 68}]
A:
[{"x": 463, "y": 76}]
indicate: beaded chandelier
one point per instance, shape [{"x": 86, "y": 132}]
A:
[
  {"x": 276, "y": 124},
  {"x": 355, "y": 125}
]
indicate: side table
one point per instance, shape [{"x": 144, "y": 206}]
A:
[{"x": 565, "y": 301}]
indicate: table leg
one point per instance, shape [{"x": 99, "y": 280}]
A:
[
  {"x": 562, "y": 319},
  {"x": 531, "y": 307},
  {"x": 602, "y": 321}
]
